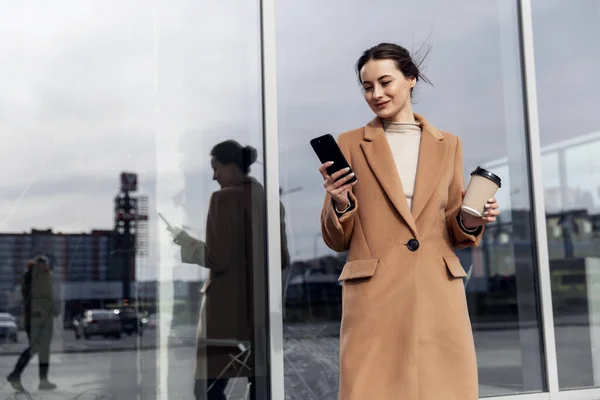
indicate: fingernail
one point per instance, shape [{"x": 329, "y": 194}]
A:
[
  {"x": 347, "y": 169},
  {"x": 490, "y": 200},
  {"x": 352, "y": 174},
  {"x": 487, "y": 206},
  {"x": 330, "y": 163}
]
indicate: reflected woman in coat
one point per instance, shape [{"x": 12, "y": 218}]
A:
[
  {"x": 234, "y": 253},
  {"x": 405, "y": 330}
]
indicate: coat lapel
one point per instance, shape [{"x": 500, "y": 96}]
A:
[
  {"x": 432, "y": 152},
  {"x": 379, "y": 156}
]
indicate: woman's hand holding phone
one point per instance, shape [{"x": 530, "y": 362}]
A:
[
  {"x": 174, "y": 230},
  {"x": 337, "y": 184}
]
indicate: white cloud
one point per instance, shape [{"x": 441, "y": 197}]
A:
[
  {"x": 318, "y": 91},
  {"x": 93, "y": 88}
]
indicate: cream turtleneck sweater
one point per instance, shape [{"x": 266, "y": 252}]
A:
[{"x": 404, "y": 139}]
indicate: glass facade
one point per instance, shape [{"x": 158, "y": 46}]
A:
[
  {"x": 323, "y": 96},
  {"x": 137, "y": 145},
  {"x": 562, "y": 35}
]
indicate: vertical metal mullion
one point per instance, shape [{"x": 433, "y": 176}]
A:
[
  {"x": 271, "y": 152},
  {"x": 535, "y": 157}
]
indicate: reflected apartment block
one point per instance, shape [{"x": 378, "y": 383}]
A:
[
  {"x": 74, "y": 256},
  {"x": 86, "y": 274},
  {"x": 81, "y": 263},
  {"x": 312, "y": 290}
]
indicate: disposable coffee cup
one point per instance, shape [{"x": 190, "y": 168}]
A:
[{"x": 483, "y": 185}]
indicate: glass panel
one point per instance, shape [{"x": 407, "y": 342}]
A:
[
  {"x": 566, "y": 50},
  {"x": 93, "y": 89},
  {"x": 475, "y": 67}
]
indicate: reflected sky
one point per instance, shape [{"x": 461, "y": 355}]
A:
[
  {"x": 567, "y": 60},
  {"x": 473, "y": 65},
  {"x": 93, "y": 88}
]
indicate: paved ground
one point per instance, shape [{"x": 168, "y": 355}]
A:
[
  {"x": 114, "y": 369},
  {"x": 110, "y": 375}
]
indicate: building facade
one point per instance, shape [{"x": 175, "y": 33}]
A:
[
  {"x": 74, "y": 257},
  {"x": 95, "y": 88}
]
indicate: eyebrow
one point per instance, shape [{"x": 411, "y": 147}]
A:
[{"x": 380, "y": 78}]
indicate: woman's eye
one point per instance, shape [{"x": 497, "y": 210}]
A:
[
  {"x": 367, "y": 88},
  {"x": 385, "y": 83}
]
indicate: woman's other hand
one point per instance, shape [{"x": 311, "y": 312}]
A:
[
  {"x": 337, "y": 189},
  {"x": 492, "y": 210}
]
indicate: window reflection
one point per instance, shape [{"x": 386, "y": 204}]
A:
[
  {"x": 571, "y": 180},
  {"x": 94, "y": 90},
  {"x": 234, "y": 253},
  {"x": 482, "y": 103}
]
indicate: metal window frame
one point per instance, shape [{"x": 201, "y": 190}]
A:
[
  {"x": 271, "y": 159},
  {"x": 525, "y": 396},
  {"x": 537, "y": 186},
  {"x": 271, "y": 146}
]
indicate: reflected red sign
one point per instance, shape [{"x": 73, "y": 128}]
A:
[{"x": 128, "y": 181}]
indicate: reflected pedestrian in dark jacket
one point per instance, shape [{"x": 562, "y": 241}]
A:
[
  {"x": 38, "y": 298},
  {"x": 234, "y": 253}
]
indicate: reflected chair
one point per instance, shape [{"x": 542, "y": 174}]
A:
[{"x": 240, "y": 359}]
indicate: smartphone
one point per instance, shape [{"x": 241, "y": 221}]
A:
[
  {"x": 164, "y": 219},
  {"x": 327, "y": 149}
]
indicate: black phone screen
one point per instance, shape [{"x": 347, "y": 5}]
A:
[{"x": 327, "y": 149}]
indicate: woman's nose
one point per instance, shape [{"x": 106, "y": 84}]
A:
[{"x": 377, "y": 91}]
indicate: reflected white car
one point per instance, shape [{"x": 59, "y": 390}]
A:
[{"x": 8, "y": 328}]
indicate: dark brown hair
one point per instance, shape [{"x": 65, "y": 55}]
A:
[
  {"x": 401, "y": 57},
  {"x": 231, "y": 152}
]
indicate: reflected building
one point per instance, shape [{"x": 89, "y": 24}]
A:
[{"x": 80, "y": 262}]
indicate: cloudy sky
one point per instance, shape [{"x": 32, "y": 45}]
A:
[{"x": 92, "y": 88}]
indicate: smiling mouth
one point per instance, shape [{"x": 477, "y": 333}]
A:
[{"x": 381, "y": 105}]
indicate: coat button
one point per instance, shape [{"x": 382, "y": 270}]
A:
[{"x": 413, "y": 244}]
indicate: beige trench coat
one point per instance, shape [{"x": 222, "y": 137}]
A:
[{"x": 405, "y": 330}]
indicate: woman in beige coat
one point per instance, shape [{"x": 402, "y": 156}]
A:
[
  {"x": 405, "y": 331},
  {"x": 234, "y": 253}
]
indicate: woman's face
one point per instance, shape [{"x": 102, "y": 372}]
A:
[
  {"x": 219, "y": 172},
  {"x": 386, "y": 89},
  {"x": 222, "y": 173}
]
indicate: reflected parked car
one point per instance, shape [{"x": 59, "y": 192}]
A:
[
  {"x": 98, "y": 323},
  {"x": 130, "y": 320},
  {"x": 150, "y": 321},
  {"x": 8, "y": 328}
]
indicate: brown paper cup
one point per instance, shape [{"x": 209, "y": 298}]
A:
[{"x": 483, "y": 185}]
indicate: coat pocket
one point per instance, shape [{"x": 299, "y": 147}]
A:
[
  {"x": 359, "y": 269},
  {"x": 454, "y": 266}
]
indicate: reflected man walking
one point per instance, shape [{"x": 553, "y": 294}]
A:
[{"x": 38, "y": 298}]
